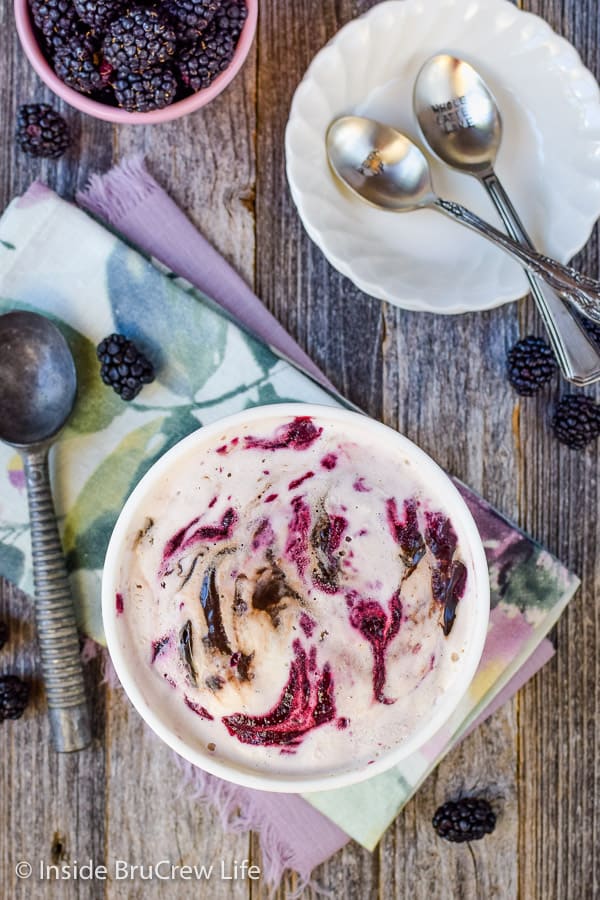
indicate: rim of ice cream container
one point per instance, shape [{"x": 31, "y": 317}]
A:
[
  {"x": 104, "y": 111},
  {"x": 127, "y": 666}
]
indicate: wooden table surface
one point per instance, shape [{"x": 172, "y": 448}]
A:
[{"x": 438, "y": 380}]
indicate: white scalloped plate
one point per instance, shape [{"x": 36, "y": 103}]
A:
[{"x": 549, "y": 160}]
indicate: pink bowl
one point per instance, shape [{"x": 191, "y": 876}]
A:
[{"x": 37, "y": 59}]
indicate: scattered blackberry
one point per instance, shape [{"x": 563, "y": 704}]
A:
[
  {"x": 56, "y": 19},
  {"x": 201, "y": 62},
  {"x": 145, "y": 91},
  {"x": 576, "y": 421},
  {"x": 139, "y": 40},
  {"x": 191, "y": 17},
  {"x": 41, "y": 131},
  {"x": 14, "y": 696},
  {"x": 124, "y": 367},
  {"x": 3, "y": 634},
  {"x": 530, "y": 364},
  {"x": 98, "y": 14},
  {"x": 468, "y": 819},
  {"x": 77, "y": 63}
]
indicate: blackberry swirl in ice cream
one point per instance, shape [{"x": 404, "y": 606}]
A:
[{"x": 294, "y": 595}]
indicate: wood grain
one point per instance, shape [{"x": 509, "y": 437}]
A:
[
  {"x": 439, "y": 380},
  {"x": 559, "y": 499}
]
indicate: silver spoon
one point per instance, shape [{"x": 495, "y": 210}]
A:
[
  {"x": 385, "y": 168},
  {"x": 461, "y": 122},
  {"x": 38, "y": 383}
]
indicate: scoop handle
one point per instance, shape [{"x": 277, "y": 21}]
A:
[
  {"x": 580, "y": 290},
  {"x": 54, "y": 614},
  {"x": 577, "y": 354}
]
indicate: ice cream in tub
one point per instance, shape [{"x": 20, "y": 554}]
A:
[{"x": 295, "y": 597}]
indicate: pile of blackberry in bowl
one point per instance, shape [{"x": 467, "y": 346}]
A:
[{"x": 134, "y": 60}]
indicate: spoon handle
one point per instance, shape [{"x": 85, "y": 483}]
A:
[
  {"x": 577, "y": 355},
  {"x": 582, "y": 291},
  {"x": 54, "y": 614}
]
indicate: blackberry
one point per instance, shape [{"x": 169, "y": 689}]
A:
[
  {"x": 201, "y": 62},
  {"x": 145, "y": 91},
  {"x": 231, "y": 18},
  {"x": 56, "y": 19},
  {"x": 123, "y": 366},
  {"x": 77, "y": 64},
  {"x": 576, "y": 421},
  {"x": 139, "y": 40},
  {"x": 41, "y": 131},
  {"x": 14, "y": 696},
  {"x": 191, "y": 17},
  {"x": 530, "y": 364},
  {"x": 98, "y": 14},
  {"x": 3, "y": 634},
  {"x": 468, "y": 819}
]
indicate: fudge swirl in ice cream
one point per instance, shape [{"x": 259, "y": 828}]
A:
[{"x": 295, "y": 595}]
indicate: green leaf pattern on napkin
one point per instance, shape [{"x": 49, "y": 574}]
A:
[
  {"x": 185, "y": 341},
  {"x": 103, "y": 493},
  {"x": 207, "y": 367},
  {"x": 13, "y": 561}
]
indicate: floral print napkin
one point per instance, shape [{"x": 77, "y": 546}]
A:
[{"x": 56, "y": 260}]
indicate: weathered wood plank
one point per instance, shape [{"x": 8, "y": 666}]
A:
[
  {"x": 337, "y": 324},
  {"x": 51, "y": 805},
  {"x": 153, "y": 817},
  {"x": 445, "y": 408},
  {"x": 415, "y": 863}
]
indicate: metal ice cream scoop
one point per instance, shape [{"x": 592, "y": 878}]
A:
[
  {"x": 461, "y": 122},
  {"x": 38, "y": 384}
]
